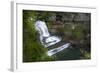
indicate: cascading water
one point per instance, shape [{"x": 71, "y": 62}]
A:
[{"x": 48, "y": 40}]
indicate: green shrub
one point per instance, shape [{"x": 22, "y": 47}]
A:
[{"x": 32, "y": 48}]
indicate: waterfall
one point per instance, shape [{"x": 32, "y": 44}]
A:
[{"x": 47, "y": 40}]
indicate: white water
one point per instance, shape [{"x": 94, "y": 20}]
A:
[
  {"x": 56, "y": 50},
  {"x": 50, "y": 40},
  {"x": 43, "y": 31}
]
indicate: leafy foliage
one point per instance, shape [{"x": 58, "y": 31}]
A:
[{"x": 32, "y": 48}]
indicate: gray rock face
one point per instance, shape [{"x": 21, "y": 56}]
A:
[{"x": 72, "y": 16}]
